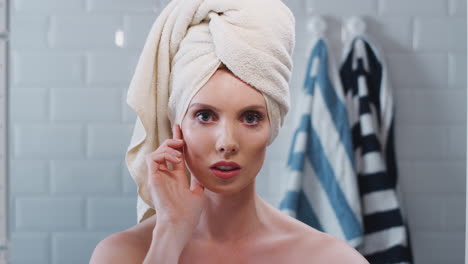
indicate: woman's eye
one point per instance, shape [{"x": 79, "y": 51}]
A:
[
  {"x": 203, "y": 115},
  {"x": 253, "y": 117}
]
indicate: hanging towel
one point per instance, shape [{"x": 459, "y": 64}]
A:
[
  {"x": 370, "y": 107},
  {"x": 322, "y": 190}
]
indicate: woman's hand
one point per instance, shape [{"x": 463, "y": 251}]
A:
[{"x": 174, "y": 202}]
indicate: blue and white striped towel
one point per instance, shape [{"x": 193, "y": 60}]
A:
[
  {"x": 370, "y": 108},
  {"x": 322, "y": 190}
]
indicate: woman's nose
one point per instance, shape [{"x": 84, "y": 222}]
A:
[
  {"x": 227, "y": 148},
  {"x": 226, "y": 142}
]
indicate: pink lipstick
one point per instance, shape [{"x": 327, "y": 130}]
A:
[{"x": 225, "y": 169}]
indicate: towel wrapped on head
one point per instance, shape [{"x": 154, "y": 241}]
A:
[{"x": 187, "y": 43}]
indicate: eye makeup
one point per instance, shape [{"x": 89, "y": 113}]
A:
[{"x": 257, "y": 116}]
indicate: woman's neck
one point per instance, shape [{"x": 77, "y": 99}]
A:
[{"x": 231, "y": 218}]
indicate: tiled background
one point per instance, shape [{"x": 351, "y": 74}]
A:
[
  {"x": 70, "y": 125},
  {"x": 3, "y": 133}
]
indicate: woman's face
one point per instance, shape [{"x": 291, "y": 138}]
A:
[{"x": 226, "y": 120}]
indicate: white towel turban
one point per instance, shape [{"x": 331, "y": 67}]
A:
[{"x": 187, "y": 43}]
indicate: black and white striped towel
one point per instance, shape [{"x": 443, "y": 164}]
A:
[{"x": 370, "y": 109}]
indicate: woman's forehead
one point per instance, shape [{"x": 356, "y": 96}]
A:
[{"x": 220, "y": 108}]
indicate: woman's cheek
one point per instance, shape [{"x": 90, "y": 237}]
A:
[
  {"x": 190, "y": 131},
  {"x": 260, "y": 138},
  {"x": 196, "y": 139}
]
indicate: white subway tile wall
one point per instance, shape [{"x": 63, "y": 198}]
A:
[
  {"x": 4, "y": 192},
  {"x": 70, "y": 125}
]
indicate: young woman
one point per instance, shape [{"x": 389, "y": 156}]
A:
[
  {"x": 217, "y": 73},
  {"x": 218, "y": 217}
]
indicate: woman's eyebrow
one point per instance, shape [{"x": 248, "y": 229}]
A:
[{"x": 250, "y": 107}]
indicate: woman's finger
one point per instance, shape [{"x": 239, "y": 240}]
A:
[
  {"x": 157, "y": 160},
  {"x": 173, "y": 152},
  {"x": 176, "y": 132},
  {"x": 173, "y": 143},
  {"x": 176, "y": 141},
  {"x": 161, "y": 157},
  {"x": 180, "y": 167}
]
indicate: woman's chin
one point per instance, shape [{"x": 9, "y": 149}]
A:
[
  {"x": 226, "y": 188},
  {"x": 219, "y": 189}
]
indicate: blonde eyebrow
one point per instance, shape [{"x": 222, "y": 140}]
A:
[{"x": 250, "y": 107}]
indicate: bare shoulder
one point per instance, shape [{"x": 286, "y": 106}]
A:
[
  {"x": 330, "y": 249},
  {"x": 129, "y": 246},
  {"x": 323, "y": 247},
  {"x": 117, "y": 248}
]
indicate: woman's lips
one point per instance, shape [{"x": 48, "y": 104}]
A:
[{"x": 225, "y": 174}]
